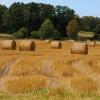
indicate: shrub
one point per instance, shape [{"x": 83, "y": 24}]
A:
[
  {"x": 35, "y": 34},
  {"x": 22, "y": 33},
  {"x": 56, "y": 35}
]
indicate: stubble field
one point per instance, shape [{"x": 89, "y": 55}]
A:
[{"x": 49, "y": 74}]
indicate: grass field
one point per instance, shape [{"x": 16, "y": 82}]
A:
[{"x": 49, "y": 74}]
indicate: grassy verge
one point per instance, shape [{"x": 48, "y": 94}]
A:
[{"x": 47, "y": 94}]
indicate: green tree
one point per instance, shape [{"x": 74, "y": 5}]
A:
[
  {"x": 61, "y": 18},
  {"x": 16, "y": 17},
  {"x": 31, "y": 16},
  {"x": 5, "y": 22},
  {"x": 46, "y": 29},
  {"x": 97, "y": 29},
  {"x": 72, "y": 29},
  {"x": 87, "y": 23},
  {"x": 3, "y": 9}
]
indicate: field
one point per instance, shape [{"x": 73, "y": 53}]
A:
[{"x": 49, "y": 74}]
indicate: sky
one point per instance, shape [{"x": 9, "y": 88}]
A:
[{"x": 81, "y": 7}]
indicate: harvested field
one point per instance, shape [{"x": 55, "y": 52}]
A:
[{"x": 50, "y": 73}]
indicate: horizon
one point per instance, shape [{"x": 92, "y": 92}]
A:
[{"x": 84, "y": 8}]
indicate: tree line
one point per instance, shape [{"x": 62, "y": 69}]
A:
[{"x": 38, "y": 20}]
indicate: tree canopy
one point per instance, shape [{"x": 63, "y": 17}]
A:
[{"x": 37, "y": 17}]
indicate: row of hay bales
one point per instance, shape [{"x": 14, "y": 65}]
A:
[
  {"x": 97, "y": 43},
  {"x": 26, "y": 45},
  {"x": 29, "y": 45},
  {"x": 93, "y": 43}
]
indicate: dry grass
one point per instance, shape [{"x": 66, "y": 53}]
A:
[
  {"x": 83, "y": 85},
  {"x": 5, "y": 60},
  {"x": 22, "y": 84},
  {"x": 51, "y": 68}
]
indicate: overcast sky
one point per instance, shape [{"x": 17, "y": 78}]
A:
[{"x": 81, "y": 7}]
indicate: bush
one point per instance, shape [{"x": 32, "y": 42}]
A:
[
  {"x": 56, "y": 35},
  {"x": 35, "y": 34},
  {"x": 97, "y": 29},
  {"x": 22, "y": 33},
  {"x": 97, "y": 36}
]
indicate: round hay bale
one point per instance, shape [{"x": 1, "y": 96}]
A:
[
  {"x": 56, "y": 44},
  {"x": 8, "y": 45},
  {"x": 88, "y": 41},
  {"x": 91, "y": 44},
  {"x": 27, "y": 45},
  {"x": 47, "y": 41},
  {"x": 70, "y": 40},
  {"x": 79, "y": 48},
  {"x": 97, "y": 43}
]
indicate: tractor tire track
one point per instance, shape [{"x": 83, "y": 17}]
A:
[{"x": 6, "y": 68}]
